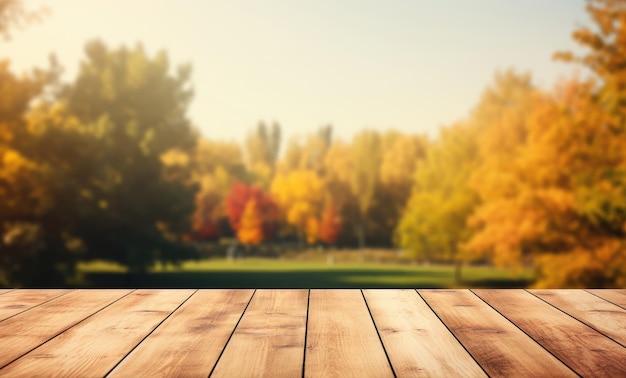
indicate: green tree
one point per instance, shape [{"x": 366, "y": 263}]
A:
[
  {"x": 145, "y": 195},
  {"x": 434, "y": 223}
]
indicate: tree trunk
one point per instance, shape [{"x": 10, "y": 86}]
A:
[
  {"x": 300, "y": 240},
  {"x": 457, "y": 271},
  {"x": 360, "y": 234},
  {"x": 231, "y": 251}
]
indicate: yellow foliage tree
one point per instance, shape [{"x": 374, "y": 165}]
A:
[
  {"x": 300, "y": 196},
  {"x": 312, "y": 229},
  {"x": 337, "y": 167},
  {"x": 364, "y": 177},
  {"x": 261, "y": 150},
  {"x": 434, "y": 222},
  {"x": 307, "y": 156}
]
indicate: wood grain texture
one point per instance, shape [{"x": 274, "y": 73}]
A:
[
  {"x": 580, "y": 347},
  {"x": 415, "y": 339},
  {"x": 269, "y": 340},
  {"x": 30, "y": 329},
  {"x": 4, "y": 291},
  {"x": 616, "y": 296},
  {"x": 137, "y": 333},
  {"x": 498, "y": 346},
  {"x": 597, "y": 313},
  {"x": 96, "y": 345},
  {"x": 13, "y": 303},
  {"x": 341, "y": 338},
  {"x": 190, "y": 341}
]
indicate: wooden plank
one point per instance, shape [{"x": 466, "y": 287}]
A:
[
  {"x": 415, "y": 339},
  {"x": 341, "y": 338},
  {"x": 30, "y": 329},
  {"x": 4, "y": 291},
  {"x": 96, "y": 345},
  {"x": 190, "y": 341},
  {"x": 616, "y": 296},
  {"x": 603, "y": 316},
  {"x": 270, "y": 336},
  {"x": 21, "y": 300},
  {"x": 583, "y": 349},
  {"x": 498, "y": 346}
]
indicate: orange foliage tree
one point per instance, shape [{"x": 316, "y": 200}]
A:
[
  {"x": 557, "y": 197},
  {"x": 330, "y": 225},
  {"x": 238, "y": 202},
  {"x": 251, "y": 226}
]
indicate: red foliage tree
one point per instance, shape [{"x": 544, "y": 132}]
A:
[
  {"x": 330, "y": 225},
  {"x": 236, "y": 201}
]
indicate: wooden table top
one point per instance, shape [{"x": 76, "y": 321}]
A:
[{"x": 312, "y": 333}]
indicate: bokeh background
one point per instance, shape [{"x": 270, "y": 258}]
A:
[{"x": 277, "y": 144}]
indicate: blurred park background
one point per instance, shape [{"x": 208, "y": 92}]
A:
[{"x": 106, "y": 180}]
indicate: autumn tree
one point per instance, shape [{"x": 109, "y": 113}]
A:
[
  {"x": 330, "y": 225},
  {"x": 400, "y": 154},
  {"x": 300, "y": 197},
  {"x": 210, "y": 209},
  {"x": 605, "y": 55},
  {"x": 261, "y": 150},
  {"x": 237, "y": 201},
  {"x": 35, "y": 247},
  {"x": 315, "y": 149},
  {"x": 434, "y": 223},
  {"x": 563, "y": 189},
  {"x": 603, "y": 198},
  {"x": 366, "y": 157},
  {"x": 503, "y": 120},
  {"x": 250, "y": 230},
  {"x": 292, "y": 158},
  {"x": 307, "y": 154},
  {"x": 558, "y": 206},
  {"x": 473, "y": 162},
  {"x": 336, "y": 180},
  {"x": 27, "y": 203},
  {"x": 217, "y": 166}
]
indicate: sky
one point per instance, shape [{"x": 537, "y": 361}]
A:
[{"x": 408, "y": 65}]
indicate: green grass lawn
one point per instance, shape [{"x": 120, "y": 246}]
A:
[{"x": 276, "y": 273}]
